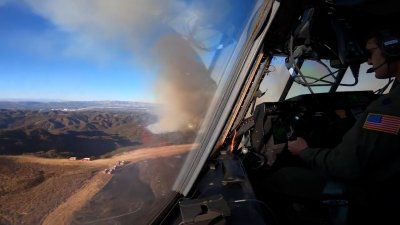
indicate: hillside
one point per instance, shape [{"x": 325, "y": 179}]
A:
[
  {"x": 36, "y": 190},
  {"x": 77, "y": 105},
  {"x": 51, "y": 189},
  {"x": 28, "y": 191},
  {"x": 58, "y": 133}
]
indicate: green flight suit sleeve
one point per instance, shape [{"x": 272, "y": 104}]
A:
[
  {"x": 343, "y": 160},
  {"x": 362, "y": 152}
]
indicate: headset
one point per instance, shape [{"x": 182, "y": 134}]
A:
[{"x": 389, "y": 45}]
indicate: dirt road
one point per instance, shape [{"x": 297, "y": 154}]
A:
[
  {"x": 131, "y": 156},
  {"x": 63, "y": 213}
]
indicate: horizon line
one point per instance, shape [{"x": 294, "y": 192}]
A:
[{"x": 42, "y": 100}]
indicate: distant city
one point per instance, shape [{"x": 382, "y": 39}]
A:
[{"x": 76, "y": 105}]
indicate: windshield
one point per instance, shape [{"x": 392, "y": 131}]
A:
[
  {"x": 101, "y": 101},
  {"x": 314, "y": 71}
]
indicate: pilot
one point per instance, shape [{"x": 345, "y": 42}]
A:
[{"x": 367, "y": 160}]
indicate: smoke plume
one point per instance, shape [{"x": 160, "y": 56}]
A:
[{"x": 183, "y": 85}]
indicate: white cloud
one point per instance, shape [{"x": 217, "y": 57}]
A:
[
  {"x": 3, "y": 2},
  {"x": 104, "y": 21},
  {"x": 102, "y": 25}
]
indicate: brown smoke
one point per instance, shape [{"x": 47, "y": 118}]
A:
[{"x": 184, "y": 86}]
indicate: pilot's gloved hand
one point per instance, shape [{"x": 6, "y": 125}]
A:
[{"x": 297, "y": 146}]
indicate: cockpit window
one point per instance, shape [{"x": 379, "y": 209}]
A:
[
  {"x": 318, "y": 74},
  {"x": 320, "y": 77},
  {"x": 274, "y": 82},
  {"x": 101, "y": 101},
  {"x": 366, "y": 81}
]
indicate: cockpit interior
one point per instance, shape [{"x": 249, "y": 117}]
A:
[
  {"x": 180, "y": 112},
  {"x": 321, "y": 107}
]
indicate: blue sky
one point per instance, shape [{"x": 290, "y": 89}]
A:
[
  {"x": 39, "y": 59},
  {"x": 106, "y": 50}
]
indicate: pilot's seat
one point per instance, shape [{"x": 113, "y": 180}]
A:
[
  {"x": 377, "y": 203},
  {"x": 334, "y": 197}
]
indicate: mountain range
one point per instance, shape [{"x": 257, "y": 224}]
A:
[
  {"x": 79, "y": 128},
  {"x": 76, "y": 105}
]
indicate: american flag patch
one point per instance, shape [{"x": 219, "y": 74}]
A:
[{"x": 382, "y": 123}]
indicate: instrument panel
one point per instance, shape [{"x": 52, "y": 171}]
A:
[{"x": 321, "y": 119}]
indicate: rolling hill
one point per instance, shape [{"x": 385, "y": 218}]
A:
[{"x": 77, "y": 132}]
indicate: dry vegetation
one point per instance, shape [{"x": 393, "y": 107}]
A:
[
  {"x": 60, "y": 134},
  {"x": 83, "y": 133},
  {"x": 39, "y": 185},
  {"x": 49, "y": 191},
  {"x": 29, "y": 191}
]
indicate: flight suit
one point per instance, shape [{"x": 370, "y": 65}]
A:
[
  {"x": 370, "y": 150},
  {"x": 367, "y": 161}
]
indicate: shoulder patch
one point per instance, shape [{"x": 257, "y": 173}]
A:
[{"x": 382, "y": 123}]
